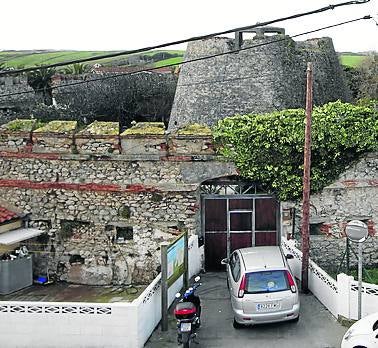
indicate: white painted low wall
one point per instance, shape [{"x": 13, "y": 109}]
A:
[
  {"x": 89, "y": 325},
  {"x": 339, "y": 296},
  {"x": 57, "y": 324},
  {"x": 322, "y": 285},
  {"x": 348, "y": 301}
]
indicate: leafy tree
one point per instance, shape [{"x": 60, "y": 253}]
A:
[
  {"x": 40, "y": 80},
  {"x": 369, "y": 77},
  {"x": 269, "y": 148},
  {"x": 354, "y": 80},
  {"x": 76, "y": 69}
]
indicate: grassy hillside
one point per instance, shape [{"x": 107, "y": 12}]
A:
[{"x": 26, "y": 59}]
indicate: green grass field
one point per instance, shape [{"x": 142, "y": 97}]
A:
[
  {"x": 351, "y": 60},
  {"x": 29, "y": 58},
  {"x": 175, "y": 60},
  {"x": 26, "y": 59}
]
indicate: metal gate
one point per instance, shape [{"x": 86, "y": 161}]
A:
[{"x": 231, "y": 222}]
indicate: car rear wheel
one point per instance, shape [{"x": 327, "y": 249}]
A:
[{"x": 236, "y": 325}]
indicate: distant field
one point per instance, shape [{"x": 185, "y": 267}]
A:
[
  {"x": 17, "y": 59},
  {"x": 26, "y": 59},
  {"x": 351, "y": 60},
  {"x": 175, "y": 60}
]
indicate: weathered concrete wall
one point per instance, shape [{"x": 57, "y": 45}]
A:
[
  {"x": 353, "y": 196},
  {"x": 106, "y": 215},
  {"x": 262, "y": 79}
]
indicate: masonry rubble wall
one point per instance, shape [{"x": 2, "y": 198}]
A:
[
  {"x": 106, "y": 214},
  {"x": 354, "y": 196}
]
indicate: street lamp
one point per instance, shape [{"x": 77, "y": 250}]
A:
[{"x": 357, "y": 232}]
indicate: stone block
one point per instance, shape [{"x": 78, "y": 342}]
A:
[
  {"x": 55, "y": 137},
  {"x": 100, "y": 138},
  {"x": 191, "y": 145},
  {"x": 90, "y": 275},
  {"x": 15, "y": 136},
  {"x": 144, "y": 138}
]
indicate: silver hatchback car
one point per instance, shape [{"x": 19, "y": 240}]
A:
[{"x": 262, "y": 288}]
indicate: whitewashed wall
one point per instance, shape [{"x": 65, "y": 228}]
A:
[
  {"x": 322, "y": 285},
  {"x": 92, "y": 325},
  {"x": 348, "y": 297},
  {"x": 37, "y": 324}
]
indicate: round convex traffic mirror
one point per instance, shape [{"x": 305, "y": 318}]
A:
[{"x": 356, "y": 231}]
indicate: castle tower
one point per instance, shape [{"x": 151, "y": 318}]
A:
[{"x": 265, "y": 78}]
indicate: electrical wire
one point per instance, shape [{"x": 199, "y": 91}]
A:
[
  {"x": 189, "y": 61},
  {"x": 195, "y": 38}
]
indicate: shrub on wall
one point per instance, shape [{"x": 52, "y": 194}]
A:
[{"x": 269, "y": 148}]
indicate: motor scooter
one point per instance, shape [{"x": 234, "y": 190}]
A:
[{"x": 188, "y": 315}]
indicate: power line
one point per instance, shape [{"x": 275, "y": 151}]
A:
[
  {"x": 178, "y": 42},
  {"x": 189, "y": 61}
]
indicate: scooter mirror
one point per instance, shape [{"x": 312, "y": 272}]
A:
[
  {"x": 197, "y": 279},
  {"x": 178, "y": 295}
]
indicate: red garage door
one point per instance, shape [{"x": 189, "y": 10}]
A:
[{"x": 235, "y": 222}]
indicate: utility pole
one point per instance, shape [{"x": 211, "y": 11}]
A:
[{"x": 306, "y": 183}]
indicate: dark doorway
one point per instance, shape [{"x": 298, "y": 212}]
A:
[{"x": 237, "y": 221}]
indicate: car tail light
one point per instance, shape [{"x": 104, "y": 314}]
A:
[
  {"x": 242, "y": 287},
  {"x": 290, "y": 279}
]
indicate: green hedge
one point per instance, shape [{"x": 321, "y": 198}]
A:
[{"x": 269, "y": 148}]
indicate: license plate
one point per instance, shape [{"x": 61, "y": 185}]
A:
[
  {"x": 267, "y": 306},
  {"x": 186, "y": 327}
]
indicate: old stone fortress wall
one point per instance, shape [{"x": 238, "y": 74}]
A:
[
  {"x": 106, "y": 200},
  {"x": 262, "y": 79}
]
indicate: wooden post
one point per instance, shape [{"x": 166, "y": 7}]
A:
[
  {"x": 164, "y": 286},
  {"x": 186, "y": 261},
  {"x": 306, "y": 183}
]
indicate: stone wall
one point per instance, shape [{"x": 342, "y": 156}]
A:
[
  {"x": 353, "y": 196},
  {"x": 141, "y": 96},
  {"x": 258, "y": 80},
  {"x": 106, "y": 214},
  {"x": 12, "y": 107}
]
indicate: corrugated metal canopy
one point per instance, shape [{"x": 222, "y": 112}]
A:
[{"x": 18, "y": 235}]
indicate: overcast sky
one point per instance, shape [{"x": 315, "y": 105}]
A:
[{"x": 122, "y": 25}]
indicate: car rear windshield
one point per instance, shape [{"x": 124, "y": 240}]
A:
[{"x": 266, "y": 281}]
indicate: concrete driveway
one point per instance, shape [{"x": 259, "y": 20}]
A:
[{"x": 316, "y": 327}]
